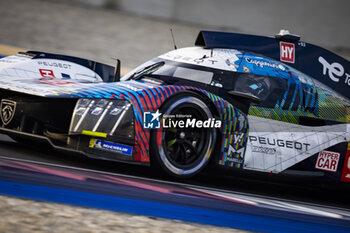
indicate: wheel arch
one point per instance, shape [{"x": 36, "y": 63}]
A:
[
  {"x": 205, "y": 97},
  {"x": 219, "y": 136},
  {"x": 212, "y": 108}
]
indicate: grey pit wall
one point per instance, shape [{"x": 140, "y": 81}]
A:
[{"x": 323, "y": 22}]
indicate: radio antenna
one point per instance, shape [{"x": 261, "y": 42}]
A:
[
  {"x": 212, "y": 49},
  {"x": 172, "y": 36}
]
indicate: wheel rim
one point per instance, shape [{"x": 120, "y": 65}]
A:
[
  {"x": 185, "y": 151},
  {"x": 184, "y": 146}
]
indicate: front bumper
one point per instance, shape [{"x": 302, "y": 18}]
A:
[
  {"x": 110, "y": 123},
  {"x": 47, "y": 141}
]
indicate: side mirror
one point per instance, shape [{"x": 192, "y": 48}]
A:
[
  {"x": 117, "y": 71},
  {"x": 245, "y": 97}
]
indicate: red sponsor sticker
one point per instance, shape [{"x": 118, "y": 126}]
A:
[
  {"x": 328, "y": 161},
  {"x": 287, "y": 52},
  {"x": 46, "y": 73},
  {"x": 346, "y": 170}
]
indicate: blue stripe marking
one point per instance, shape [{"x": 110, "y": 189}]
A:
[
  {"x": 167, "y": 92},
  {"x": 313, "y": 98},
  {"x": 297, "y": 87},
  {"x": 301, "y": 95},
  {"x": 285, "y": 94},
  {"x": 205, "y": 216},
  {"x": 308, "y": 96}
]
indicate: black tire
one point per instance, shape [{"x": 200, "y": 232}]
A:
[{"x": 183, "y": 152}]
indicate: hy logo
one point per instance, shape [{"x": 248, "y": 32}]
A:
[
  {"x": 8, "y": 108},
  {"x": 287, "y": 52},
  {"x": 151, "y": 120}
]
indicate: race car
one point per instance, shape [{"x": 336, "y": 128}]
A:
[{"x": 266, "y": 104}]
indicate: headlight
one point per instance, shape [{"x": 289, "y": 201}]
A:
[{"x": 113, "y": 117}]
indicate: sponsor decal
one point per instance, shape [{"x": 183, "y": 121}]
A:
[
  {"x": 223, "y": 59},
  {"x": 287, "y": 52},
  {"x": 240, "y": 152},
  {"x": 246, "y": 69},
  {"x": 264, "y": 150},
  {"x": 55, "y": 64},
  {"x": 201, "y": 60},
  {"x": 328, "y": 161},
  {"x": 65, "y": 76},
  {"x": 334, "y": 71},
  {"x": 8, "y": 108},
  {"x": 231, "y": 150},
  {"x": 262, "y": 63},
  {"x": 46, "y": 73},
  {"x": 279, "y": 143},
  {"x": 235, "y": 151},
  {"x": 238, "y": 137},
  {"x": 110, "y": 146},
  {"x": 152, "y": 120},
  {"x": 346, "y": 170},
  {"x": 235, "y": 155}
]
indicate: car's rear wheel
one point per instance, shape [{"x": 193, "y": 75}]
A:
[{"x": 182, "y": 152}]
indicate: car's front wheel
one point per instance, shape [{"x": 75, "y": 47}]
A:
[{"x": 182, "y": 151}]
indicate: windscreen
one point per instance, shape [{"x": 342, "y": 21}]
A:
[{"x": 173, "y": 70}]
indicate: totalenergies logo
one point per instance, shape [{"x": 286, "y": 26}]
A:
[{"x": 334, "y": 70}]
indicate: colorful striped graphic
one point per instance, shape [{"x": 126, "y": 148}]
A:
[{"x": 148, "y": 97}]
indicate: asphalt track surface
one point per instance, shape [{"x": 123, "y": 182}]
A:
[{"x": 211, "y": 198}]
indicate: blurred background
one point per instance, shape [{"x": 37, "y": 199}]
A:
[{"x": 137, "y": 30}]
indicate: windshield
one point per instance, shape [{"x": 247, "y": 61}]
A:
[{"x": 172, "y": 70}]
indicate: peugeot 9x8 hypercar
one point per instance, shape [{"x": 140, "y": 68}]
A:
[{"x": 267, "y": 104}]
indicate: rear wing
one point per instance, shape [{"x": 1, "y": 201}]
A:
[{"x": 319, "y": 63}]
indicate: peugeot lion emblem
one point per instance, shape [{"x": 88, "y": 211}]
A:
[{"x": 8, "y": 108}]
